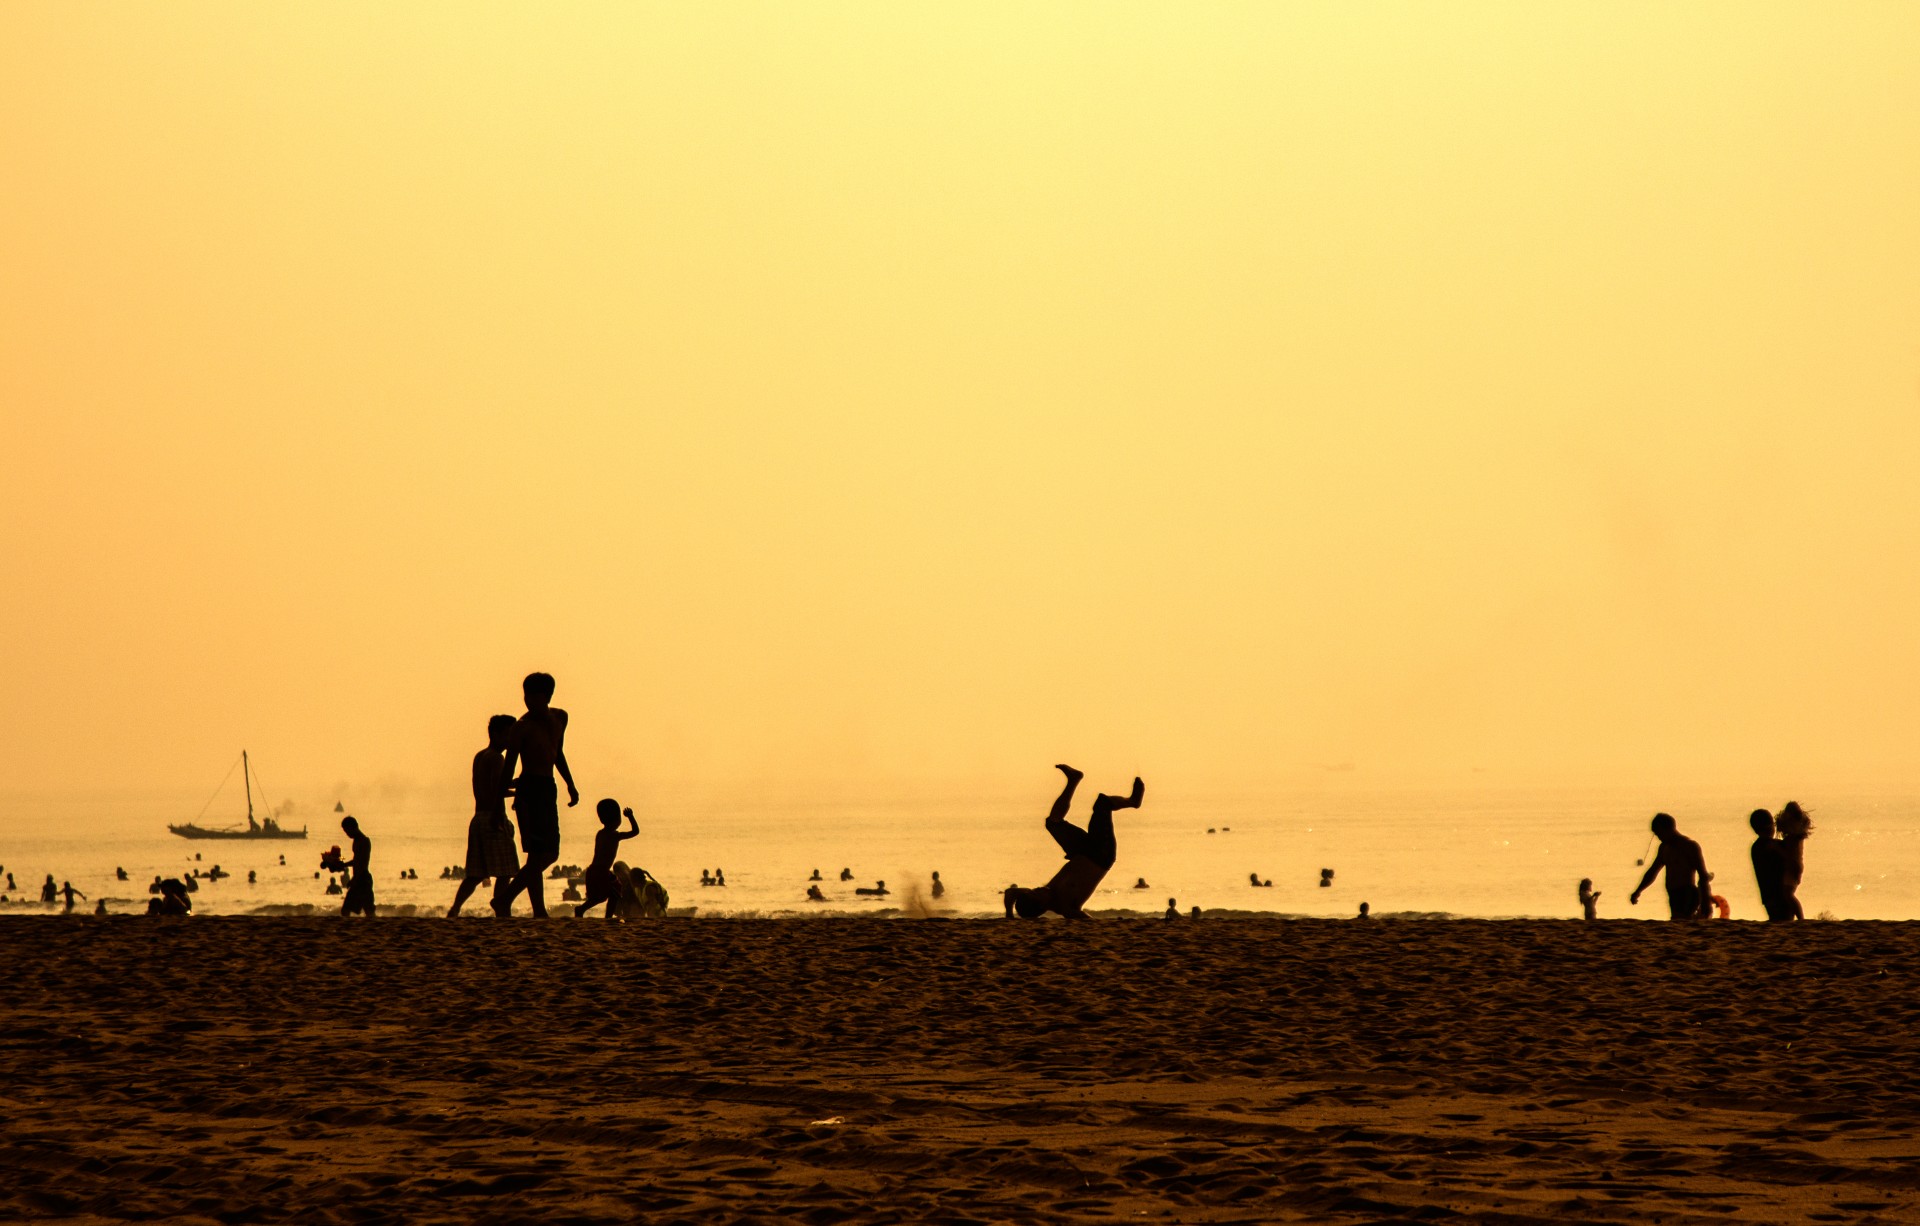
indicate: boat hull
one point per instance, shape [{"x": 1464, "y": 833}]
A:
[{"x": 200, "y": 832}]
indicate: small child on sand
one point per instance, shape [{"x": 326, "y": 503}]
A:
[
  {"x": 600, "y": 882},
  {"x": 1589, "y": 898}
]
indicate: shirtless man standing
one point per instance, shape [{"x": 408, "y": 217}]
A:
[
  {"x": 1688, "y": 895},
  {"x": 1090, "y": 853},
  {"x": 537, "y": 742}
]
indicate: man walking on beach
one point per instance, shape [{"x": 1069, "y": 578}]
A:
[
  {"x": 1688, "y": 895},
  {"x": 1769, "y": 867},
  {"x": 1090, "y": 853},
  {"x": 538, "y": 743}
]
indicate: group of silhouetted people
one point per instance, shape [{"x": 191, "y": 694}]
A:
[{"x": 1779, "y": 855}]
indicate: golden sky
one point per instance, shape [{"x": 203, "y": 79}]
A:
[{"x": 839, "y": 393}]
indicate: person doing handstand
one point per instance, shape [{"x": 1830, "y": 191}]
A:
[
  {"x": 599, "y": 879},
  {"x": 1090, "y": 853}
]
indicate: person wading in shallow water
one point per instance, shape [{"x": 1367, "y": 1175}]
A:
[
  {"x": 1090, "y": 853},
  {"x": 1688, "y": 895},
  {"x": 538, "y": 743},
  {"x": 359, "y": 899}
]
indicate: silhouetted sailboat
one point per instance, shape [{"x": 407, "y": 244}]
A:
[{"x": 268, "y": 829}]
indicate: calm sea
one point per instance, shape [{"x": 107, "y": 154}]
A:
[{"x": 1427, "y": 853}]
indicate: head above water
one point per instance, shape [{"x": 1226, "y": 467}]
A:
[
  {"x": 1761, "y": 821},
  {"x": 1664, "y": 825},
  {"x": 497, "y": 729},
  {"x": 538, "y": 690}
]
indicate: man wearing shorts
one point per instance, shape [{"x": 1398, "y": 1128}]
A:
[
  {"x": 1688, "y": 894},
  {"x": 537, "y": 742},
  {"x": 1090, "y": 853}
]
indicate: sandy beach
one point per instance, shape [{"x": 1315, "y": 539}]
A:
[{"x": 1232, "y": 1071}]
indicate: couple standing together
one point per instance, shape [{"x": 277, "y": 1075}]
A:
[{"x": 537, "y": 743}]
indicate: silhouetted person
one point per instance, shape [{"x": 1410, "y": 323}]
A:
[
  {"x": 846, "y": 874},
  {"x": 1688, "y": 894},
  {"x": 1769, "y": 868},
  {"x": 1140, "y": 883},
  {"x": 251, "y": 880},
  {"x": 359, "y": 899},
  {"x": 120, "y": 874},
  {"x": 10, "y": 885},
  {"x": 1173, "y": 909},
  {"x": 48, "y": 890},
  {"x": 1326, "y": 878},
  {"x": 1090, "y": 853},
  {"x": 877, "y": 890},
  {"x": 814, "y": 894},
  {"x": 1794, "y": 826},
  {"x": 66, "y": 888},
  {"x": 100, "y": 907},
  {"x": 599, "y": 880},
  {"x": 173, "y": 899},
  {"x": 1589, "y": 898},
  {"x": 1194, "y": 914},
  {"x": 706, "y": 878},
  {"x": 719, "y": 876},
  {"x": 538, "y": 743},
  {"x": 939, "y": 888},
  {"x": 490, "y": 849},
  {"x": 1365, "y": 912},
  {"x": 155, "y": 887},
  {"x": 333, "y": 886},
  {"x": 817, "y": 877}
]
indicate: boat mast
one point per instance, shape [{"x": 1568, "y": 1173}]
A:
[{"x": 246, "y": 773}]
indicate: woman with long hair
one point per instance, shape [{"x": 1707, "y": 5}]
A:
[{"x": 1794, "y": 826}]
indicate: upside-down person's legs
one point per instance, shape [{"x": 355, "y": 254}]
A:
[{"x": 1100, "y": 828}]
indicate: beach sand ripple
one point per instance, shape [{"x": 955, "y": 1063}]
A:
[{"x": 314, "y": 1070}]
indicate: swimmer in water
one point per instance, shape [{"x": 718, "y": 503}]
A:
[{"x": 1090, "y": 853}]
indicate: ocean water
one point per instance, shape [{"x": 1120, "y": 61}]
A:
[{"x": 1454, "y": 853}]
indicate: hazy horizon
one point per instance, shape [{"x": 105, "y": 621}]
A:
[{"x": 888, "y": 398}]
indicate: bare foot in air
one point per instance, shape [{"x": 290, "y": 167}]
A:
[{"x": 1073, "y": 776}]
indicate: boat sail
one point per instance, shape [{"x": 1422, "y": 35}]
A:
[{"x": 256, "y": 828}]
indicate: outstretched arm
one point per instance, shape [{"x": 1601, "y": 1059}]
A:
[{"x": 1653, "y": 870}]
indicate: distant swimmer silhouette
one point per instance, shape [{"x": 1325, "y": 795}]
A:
[
  {"x": 814, "y": 894},
  {"x": 938, "y": 888},
  {"x": 1253, "y": 879},
  {"x": 1770, "y": 868},
  {"x": 1794, "y": 826},
  {"x": 119, "y": 874},
  {"x": 66, "y": 888},
  {"x": 1688, "y": 895},
  {"x": 1589, "y": 898},
  {"x": 599, "y": 880},
  {"x": 1366, "y": 912},
  {"x": 538, "y": 744},
  {"x": 846, "y": 874},
  {"x": 49, "y": 891},
  {"x": 100, "y": 907},
  {"x": 251, "y": 879},
  {"x": 1173, "y": 909},
  {"x": 719, "y": 876},
  {"x": 359, "y": 899},
  {"x": 706, "y": 878},
  {"x": 1326, "y": 878},
  {"x": 490, "y": 849},
  {"x": 1140, "y": 883},
  {"x": 817, "y": 877},
  {"x": 155, "y": 887},
  {"x": 877, "y": 890},
  {"x": 1090, "y": 853}
]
